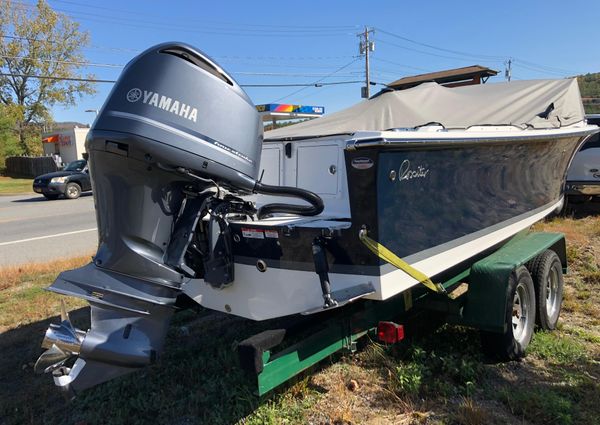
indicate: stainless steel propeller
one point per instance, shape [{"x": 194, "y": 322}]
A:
[{"x": 62, "y": 341}]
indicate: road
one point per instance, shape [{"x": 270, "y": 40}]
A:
[{"x": 33, "y": 229}]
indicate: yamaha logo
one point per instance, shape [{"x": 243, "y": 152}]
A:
[
  {"x": 134, "y": 95},
  {"x": 174, "y": 106}
]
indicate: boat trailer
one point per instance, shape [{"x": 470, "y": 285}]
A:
[{"x": 491, "y": 294}]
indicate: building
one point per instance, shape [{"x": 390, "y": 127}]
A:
[
  {"x": 465, "y": 76},
  {"x": 69, "y": 143},
  {"x": 272, "y": 112}
]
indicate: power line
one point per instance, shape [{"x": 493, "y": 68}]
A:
[
  {"x": 441, "y": 49},
  {"x": 224, "y": 57},
  {"x": 49, "y": 77},
  {"x": 286, "y": 27},
  {"x": 93, "y": 80},
  {"x": 478, "y": 56},
  {"x": 540, "y": 71},
  {"x": 249, "y": 73},
  {"x": 318, "y": 81},
  {"x": 542, "y": 68},
  {"x": 401, "y": 65},
  {"x": 335, "y": 83},
  {"x": 232, "y": 30},
  {"x": 106, "y": 65},
  {"x": 429, "y": 53}
]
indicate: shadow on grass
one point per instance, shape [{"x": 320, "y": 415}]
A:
[
  {"x": 559, "y": 394},
  {"x": 197, "y": 380}
]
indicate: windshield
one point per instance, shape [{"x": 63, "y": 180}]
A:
[{"x": 75, "y": 165}]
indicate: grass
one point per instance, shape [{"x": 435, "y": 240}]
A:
[
  {"x": 440, "y": 378},
  {"x": 573, "y": 400},
  {"x": 557, "y": 348},
  {"x": 13, "y": 186},
  {"x": 22, "y": 297}
]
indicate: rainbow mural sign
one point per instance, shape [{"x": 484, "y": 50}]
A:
[{"x": 295, "y": 109}]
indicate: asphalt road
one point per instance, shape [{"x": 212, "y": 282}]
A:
[{"x": 33, "y": 229}]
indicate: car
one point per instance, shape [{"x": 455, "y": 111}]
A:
[
  {"x": 583, "y": 178},
  {"x": 71, "y": 182}
]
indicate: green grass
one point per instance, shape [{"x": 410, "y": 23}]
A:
[
  {"x": 583, "y": 335},
  {"x": 557, "y": 348},
  {"x": 446, "y": 363},
  {"x": 12, "y": 186},
  {"x": 542, "y": 407},
  {"x": 572, "y": 401},
  {"x": 440, "y": 378}
]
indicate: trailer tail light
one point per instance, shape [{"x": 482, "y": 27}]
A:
[{"x": 390, "y": 332}]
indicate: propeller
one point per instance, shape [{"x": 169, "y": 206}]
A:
[{"x": 62, "y": 341}]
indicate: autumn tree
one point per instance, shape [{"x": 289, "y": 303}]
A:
[{"x": 40, "y": 59}]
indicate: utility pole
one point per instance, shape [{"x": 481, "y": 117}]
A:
[
  {"x": 366, "y": 46},
  {"x": 508, "y": 70}
]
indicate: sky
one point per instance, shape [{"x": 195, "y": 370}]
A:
[{"x": 303, "y": 42}]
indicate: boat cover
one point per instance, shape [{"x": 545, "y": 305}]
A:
[{"x": 537, "y": 104}]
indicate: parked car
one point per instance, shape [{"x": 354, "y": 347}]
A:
[
  {"x": 583, "y": 178},
  {"x": 70, "y": 182}
]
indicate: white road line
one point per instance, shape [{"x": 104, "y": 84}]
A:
[{"x": 48, "y": 236}]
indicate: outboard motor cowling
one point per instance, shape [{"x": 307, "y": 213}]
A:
[
  {"x": 172, "y": 149},
  {"x": 186, "y": 111}
]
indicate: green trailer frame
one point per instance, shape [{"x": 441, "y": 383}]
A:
[{"x": 482, "y": 306}]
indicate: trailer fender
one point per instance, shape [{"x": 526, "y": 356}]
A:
[{"x": 487, "y": 297}]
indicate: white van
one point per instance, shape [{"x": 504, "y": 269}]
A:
[{"x": 583, "y": 178}]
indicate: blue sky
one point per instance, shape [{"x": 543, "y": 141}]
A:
[{"x": 279, "y": 42}]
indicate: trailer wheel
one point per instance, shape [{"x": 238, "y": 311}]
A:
[
  {"x": 520, "y": 319},
  {"x": 546, "y": 271}
]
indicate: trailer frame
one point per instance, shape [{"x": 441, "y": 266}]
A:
[{"x": 477, "y": 298}]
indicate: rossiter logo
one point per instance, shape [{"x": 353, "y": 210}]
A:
[{"x": 163, "y": 102}]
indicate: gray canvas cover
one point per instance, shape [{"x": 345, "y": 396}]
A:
[{"x": 538, "y": 104}]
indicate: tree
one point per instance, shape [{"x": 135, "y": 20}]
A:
[
  {"x": 8, "y": 139},
  {"x": 36, "y": 41}
]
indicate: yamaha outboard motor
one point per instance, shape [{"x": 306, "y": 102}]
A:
[{"x": 173, "y": 148}]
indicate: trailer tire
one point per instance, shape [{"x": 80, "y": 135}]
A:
[
  {"x": 546, "y": 272},
  {"x": 520, "y": 319}
]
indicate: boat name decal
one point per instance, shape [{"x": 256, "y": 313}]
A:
[
  {"x": 407, "y": 173},
  {"x": 362, "y": 163},
  {"x": 168, "y": 104}
]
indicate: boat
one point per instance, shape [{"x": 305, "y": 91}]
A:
[{"x": 366, "y": 203}]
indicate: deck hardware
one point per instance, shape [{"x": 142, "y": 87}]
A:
[{"x": 322, "y": 269}]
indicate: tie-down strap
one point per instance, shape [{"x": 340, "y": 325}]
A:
[{"x": 388, "y": 256}]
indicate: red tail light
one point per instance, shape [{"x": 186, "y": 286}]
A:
[{"x": 390, "y": 332}]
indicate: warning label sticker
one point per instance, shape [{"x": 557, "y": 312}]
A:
[{"x": 253, "y": 233}]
